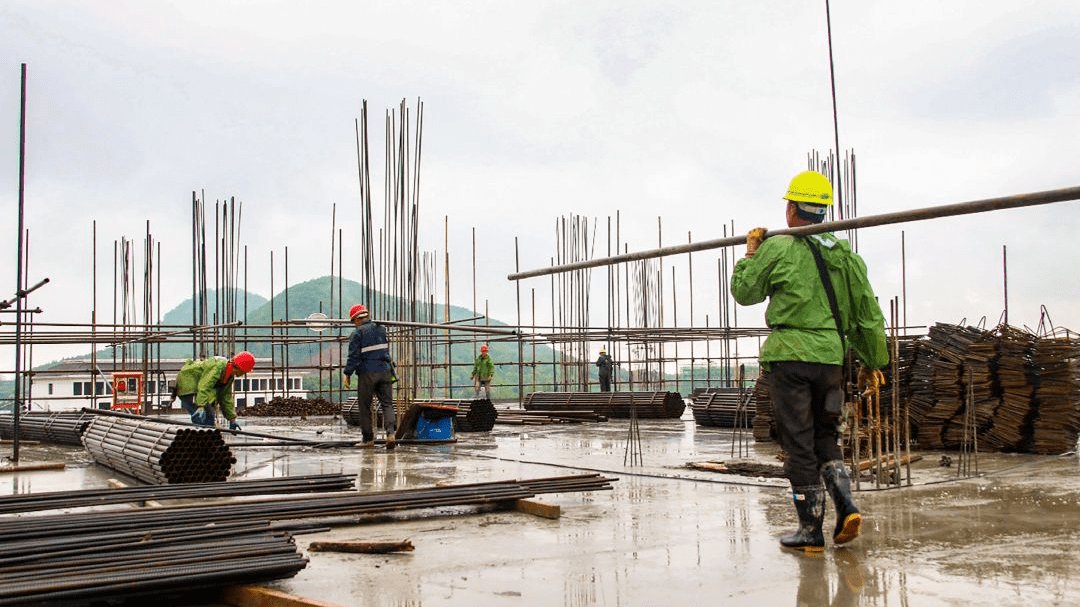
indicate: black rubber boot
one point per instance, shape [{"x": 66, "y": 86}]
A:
[
  {"x": 810, "y": 504},
  {"x": 848, "y": 519}
]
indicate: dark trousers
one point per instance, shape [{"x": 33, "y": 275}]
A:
[
  {"x": 605, "y": 382},
  {"x": 808, "y": 432},
  {"x": 187, "y": 401},
  {"x": 376, "y": 384}
]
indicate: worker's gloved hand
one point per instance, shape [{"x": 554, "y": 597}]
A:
[
  {"x": 347, "y": 381},
  {"x": 870, "y": 380},
  {"x": 200, "y": 417},
  {"x": 233, "y": 425},
  {"x": 753, "y": 240},
  {"x": 393, "y": 379}
]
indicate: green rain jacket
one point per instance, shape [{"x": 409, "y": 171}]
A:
[
  {"x": 203, "y": 379},
  {"x": 484, "y": 368},
  {"x": 798, "y": 313}
]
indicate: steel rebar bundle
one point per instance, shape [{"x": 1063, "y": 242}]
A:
[
  {"x": 34, "y": 530},
  {"x": 63, "y": 428},
  {"x": 720, "y": 407},
  {"x": 648, "y": 405},
  {"x": 85, "y": 565},
  {"x": 521, "y": 417},
  {"x": 54, "y": 500},
  {"x": 159, "y": 453}
]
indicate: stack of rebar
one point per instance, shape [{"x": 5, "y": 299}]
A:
[
  {"x": 60, "y": 428},
  {"x": 1057, "y": 395},
  {"x": 62, "y": 500},
  {"x": 293, "y": 406},
  {"x": 723, "y": 407},
  {"x": 473, "y": 414},
  {"x": 645, "y": 405},
  {"x": 1016, "y": 377},
  {"x": 98, "y": 563},
  {"x": 159, "y": 453},
  {"x": 764, "y": 424},
  {"x": 537, "y": 417}
]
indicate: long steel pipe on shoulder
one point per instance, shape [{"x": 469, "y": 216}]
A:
[{"x": 948, "y": 210}]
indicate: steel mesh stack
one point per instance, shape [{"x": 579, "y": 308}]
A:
[
  {"x": 473, "y": 415},
  {"x": 159, "y": 453},
  {"x": 649, "y": 405},
  {"x": 61, "y": 428},
  {"x": 764, "y": 424},
  {"x": 1057, "y": 395},
  {"x": 719, "y": 407},
  {"x": 1016, "y": 377}
]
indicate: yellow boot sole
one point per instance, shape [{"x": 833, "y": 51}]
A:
[{"x": 850, "y": 530}]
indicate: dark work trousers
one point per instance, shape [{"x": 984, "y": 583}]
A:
[
  {"x": 376, "y": 384},
  {"x": 605, "y": 382},
  {"x": 809, "y": 433}
]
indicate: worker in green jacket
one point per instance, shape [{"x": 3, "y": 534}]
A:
[
  {"x": 205, "y": 384},
  {"x": 482, "y": 372},
  {"x": 805, "y": 351}
]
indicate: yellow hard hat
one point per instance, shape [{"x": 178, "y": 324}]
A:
[{"x": 811, "y": 187}]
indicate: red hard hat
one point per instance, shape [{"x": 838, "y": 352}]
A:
[
  {"x": 357, "y": 311},
  {"x": 483, "y": 348},
  {"x": 245, "y": 361}
]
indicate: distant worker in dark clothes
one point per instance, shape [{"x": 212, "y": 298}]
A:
[
  {"x": 482, "y": 372},
  {"x": 369, "y": 358},
  {"x": 205, "y": 384},
  {"x": 604, "y": 365},
  {"x": 805, "y": 351}
]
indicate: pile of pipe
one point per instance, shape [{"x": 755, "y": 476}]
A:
[
  {"x": 43, "y": 565},
  {"x": 80, "y": 498},
  {"x": 722, "y": 407},
  {"x": 159, "y": 453},
  {"x": 643, "y": 405},
  {"x": 521, "y": 417},
  {"x": 293, "y": 406},
  {"x": 60, "y": 428},
  {"x": 473, "y": 414}
]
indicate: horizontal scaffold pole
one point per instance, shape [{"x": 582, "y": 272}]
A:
[{"x": 948, "y": 210}]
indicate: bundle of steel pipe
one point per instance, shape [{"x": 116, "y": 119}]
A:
[
  {"x": 473, "y": 414},
  {"x": 107, "y": 522},
  {"x": 645, "y": 405},
  {"x": 521, "y": 417},
  {"x": 86, "y": 566},
  {"x": 159, "y": 453},
  {"x": 54, "y": 500},
  {"x": 61, "y": 428},
  {"x": 720, "y": 407}
]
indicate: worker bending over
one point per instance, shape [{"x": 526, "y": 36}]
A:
[
  {"x": 207, "y": 384},
  {"x": 369, "y": 358},
  {"x": 820, "y": 301}
]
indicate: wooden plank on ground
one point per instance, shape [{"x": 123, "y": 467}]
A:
[
  {"x": 536, "y": 508},
  {"x": 32, "y": 467},
  {"x": 358, "y": 547},
  {"x": 257, "y": 596}
]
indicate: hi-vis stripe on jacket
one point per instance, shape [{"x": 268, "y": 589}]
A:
[{"x": 369, "y": 350}]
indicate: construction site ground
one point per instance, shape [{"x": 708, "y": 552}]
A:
[{"x": 667, "y": 534}]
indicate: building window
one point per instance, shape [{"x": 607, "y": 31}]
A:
[
  {"x": 50, "y": 388},
  {"x": 241, "y": 402},
  {"x": 236, "y": 385},
  {"x": 259, "y": 400},
  {"x": 280, "y": 384},
  {"x": 262, "y": 385},
  {"x": 246, "y": 385},
  {"x": 76, "y": 388},
  {"x": 150, "y": 385}
]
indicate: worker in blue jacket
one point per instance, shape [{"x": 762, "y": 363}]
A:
[{"x": 369, "y": 358}]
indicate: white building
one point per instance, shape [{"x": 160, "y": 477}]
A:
[{"x": 70, "y": 385}]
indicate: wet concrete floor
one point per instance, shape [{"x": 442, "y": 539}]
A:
[{"x": 666, "y": 534}]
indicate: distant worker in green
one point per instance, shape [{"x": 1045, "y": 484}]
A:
[
  {"x": 204, "y": 385},
  {"x": 482, "y": 372},
  {"x": 820, "y": 301},
  {"x": 604, "y": 366}
]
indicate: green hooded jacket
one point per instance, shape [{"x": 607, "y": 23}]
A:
[
  {"x": 484, "y": 368},
  {"x": 803, "y": 329},
  {"x": 203, "y": 379}
]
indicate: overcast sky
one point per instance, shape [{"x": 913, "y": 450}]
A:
[{"x": 696, "y": 113}]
